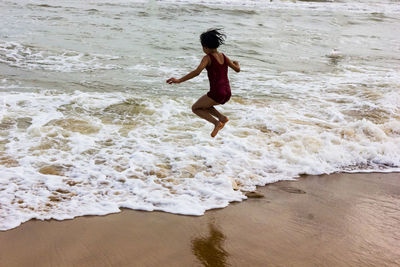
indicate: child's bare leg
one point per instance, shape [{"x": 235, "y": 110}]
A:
[
  {"x": 202, "y": 109},
  {"x": 222, "y": 118},
  {"x": 205, "y": 114}
]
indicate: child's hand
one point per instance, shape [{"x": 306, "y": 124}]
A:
[
  {"x": 173, "y": 80},
  {"x": 234, "y": 65}
]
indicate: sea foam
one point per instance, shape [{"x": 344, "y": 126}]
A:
[
  {"x": 32, "y": 57},
  {"x": 67, "y": 158}
]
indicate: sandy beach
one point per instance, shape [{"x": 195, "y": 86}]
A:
[
  {"x": 88, "y": 125},
  {"x": 329, "y": 220}
]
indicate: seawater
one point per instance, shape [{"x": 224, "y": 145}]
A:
[{"x": 88, "y": 124}]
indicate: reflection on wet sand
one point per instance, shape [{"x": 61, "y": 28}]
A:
[{"x": 209, "y": 250}]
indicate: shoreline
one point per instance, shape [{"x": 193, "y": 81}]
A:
[{"x": 328, "y": 220}]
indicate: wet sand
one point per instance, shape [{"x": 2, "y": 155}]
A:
[{"x": 329, "y": 220}]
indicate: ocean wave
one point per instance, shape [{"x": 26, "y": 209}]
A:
[
  {"x": 32, "y": 57},
  {"x": 387, "y": 7},
  {"x": 67, "y": 155},
  {"x": 247, "y": 6}
]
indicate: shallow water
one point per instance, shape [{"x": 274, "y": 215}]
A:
[{"x": 88, "y": 124}]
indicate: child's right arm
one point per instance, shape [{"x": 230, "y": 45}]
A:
[
  {"x": 203, "y": 64},
  {"x": 234, "y": 65}
]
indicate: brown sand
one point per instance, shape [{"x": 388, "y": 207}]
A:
[{"x": 330, "y": 220}]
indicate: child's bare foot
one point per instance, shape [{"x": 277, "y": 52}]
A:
[
  {"x": 217, "y": 127},
  {"x": 224, "y": 121}
]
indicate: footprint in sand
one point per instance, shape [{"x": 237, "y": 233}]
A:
[
  {"x": 254, "y": 195},
  {"x": 292, "y": 190}
]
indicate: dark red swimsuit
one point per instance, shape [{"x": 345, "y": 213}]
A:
[{"x": 220, "y": 91}]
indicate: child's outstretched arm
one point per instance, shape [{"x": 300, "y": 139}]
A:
[
  {"x": 234, "y": 65},
  {"x": 203, "y": 64}
]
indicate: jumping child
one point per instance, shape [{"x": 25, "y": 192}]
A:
[{"x": 216, "y": 64}]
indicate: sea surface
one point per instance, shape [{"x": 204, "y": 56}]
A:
[{"x": 88, "y": 125}]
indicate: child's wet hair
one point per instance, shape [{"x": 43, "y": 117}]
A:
[{"x": 212, "y": 38}]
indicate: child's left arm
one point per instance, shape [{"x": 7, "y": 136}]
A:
[
  {"x": 203, "y": 64},
  {"x": 234, "y": 65}
]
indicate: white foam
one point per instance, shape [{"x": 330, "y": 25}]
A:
[
  {"x": 166, "y": 160},
  {"x": 31, "y": 57}
]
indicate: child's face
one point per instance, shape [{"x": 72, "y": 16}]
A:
[{"x": 206, "y": 50}]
